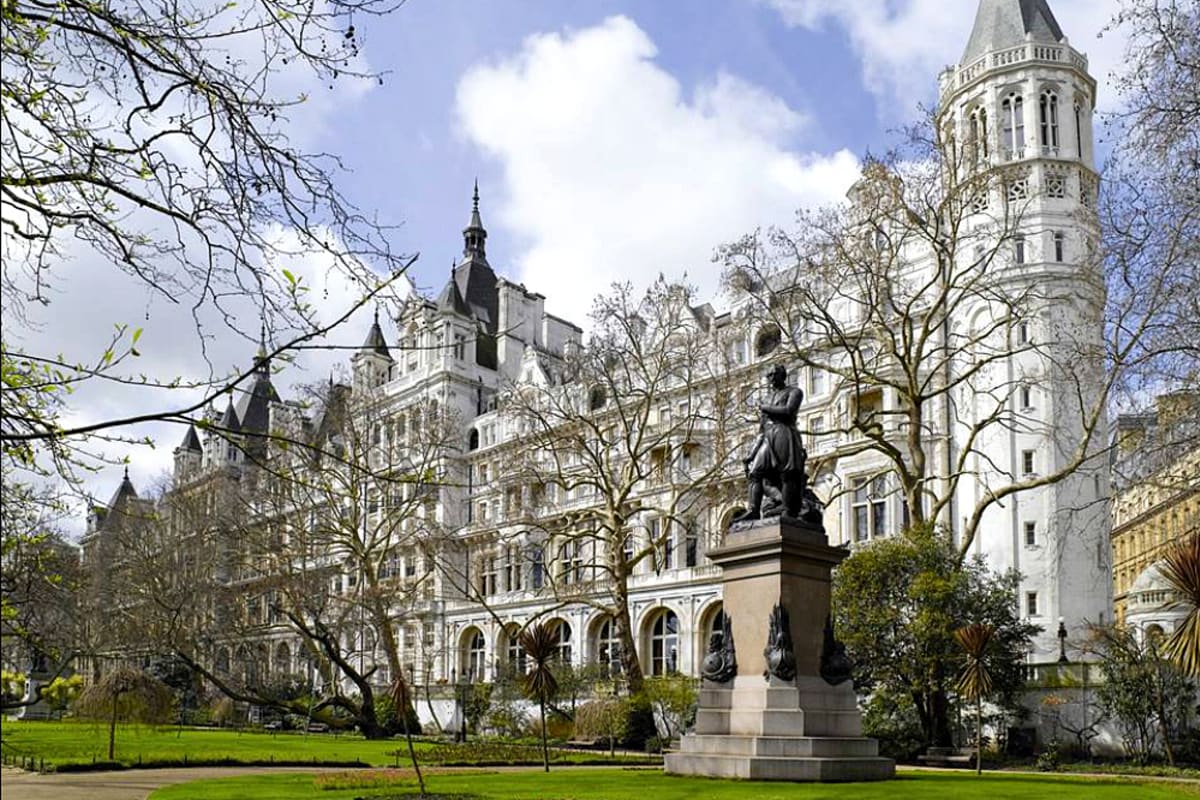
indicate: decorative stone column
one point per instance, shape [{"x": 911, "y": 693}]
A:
[{"x": 792, "y": 725}]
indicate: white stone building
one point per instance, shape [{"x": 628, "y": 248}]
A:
[{"x": 1022, "y": 99}]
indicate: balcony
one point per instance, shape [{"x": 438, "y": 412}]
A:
[{"x": 959, "y": 77}]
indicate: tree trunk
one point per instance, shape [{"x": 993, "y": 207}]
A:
[
  {"x": 629, "y": 658},
  {"x": 112, "y": 729},
  {"x": 933, "y": 708},
  {"x": 545, "y": 746},
  {"x": 979, "y": 735},
  {"x": 412, "y": 753},
  {"x": 940, "y": 715},
  {"x": 1162, "y": 715}
]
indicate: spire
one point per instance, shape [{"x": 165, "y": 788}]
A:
[
  {"x": 1001, "y": 24},
  {"x": 375, "y": 342},
  {"x": 474, "y": 235},
  {"x": 262, "y": 364}
]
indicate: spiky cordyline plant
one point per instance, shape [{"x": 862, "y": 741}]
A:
[
  {"x": 541, "y": 648},
  {"x": 1181, "y": 568},
  {"x": 975, "y": 682}
]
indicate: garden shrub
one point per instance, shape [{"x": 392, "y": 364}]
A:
[{"x": 602, "y": 720}]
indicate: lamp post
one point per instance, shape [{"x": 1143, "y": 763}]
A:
[
  {"x": 463, "y": 687},
  {"x": 1062, "y": 641}
]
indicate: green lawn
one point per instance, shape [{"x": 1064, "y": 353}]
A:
[
  {"x": 66, "y": 743},
  {"x": 617, "y": 784}
]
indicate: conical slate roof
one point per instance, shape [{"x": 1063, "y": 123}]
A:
[
  {"x": 1000, "y": 24},
  {"x": 190, "y": 440},
  {"x": 125, "y": 492},
  {"x": 451, "y": 299},
  {"x": 375, "y": 343},
  {"x": 229, "y": 422}
]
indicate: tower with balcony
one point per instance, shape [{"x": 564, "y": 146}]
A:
[{"x": 1016, "y": 114}]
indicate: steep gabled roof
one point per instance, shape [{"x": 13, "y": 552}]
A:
[{"x": 1000, "y": 24}]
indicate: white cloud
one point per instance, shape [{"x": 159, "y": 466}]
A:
[
  {"x": 612, "y": 173},
  {"x": 904, "y": 44}
]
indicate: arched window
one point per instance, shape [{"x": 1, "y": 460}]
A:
[
  {"x": 664, "y": 643},
  {"x": 473, "y": 655},
  {"x": 1048, "y": 117},
  {"x": 514, "y": 654},
  {"x": 473, "y": 439},
  {"x": 1078, "y": 131},
  {"x": 283, "y": 659},
  {"x": 1013, "y": 122},
  {"x": 979, "y": 134},
  {"x": 562, "y": 635},
  {"x": 608, "y": 647}
]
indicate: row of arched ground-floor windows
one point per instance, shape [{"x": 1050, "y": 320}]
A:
[{"x": 664, "y": 645}]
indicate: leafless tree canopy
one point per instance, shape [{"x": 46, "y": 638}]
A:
[
  {"x": 629, "y": 448},
  {"x": 154, "y": 138}
]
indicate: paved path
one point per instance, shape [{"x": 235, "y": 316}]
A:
[
  {"x": 136, "y": 784},
  {"x": 131, "y": 784}
]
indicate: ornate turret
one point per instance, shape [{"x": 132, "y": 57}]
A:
[{"x": 1021, "y": 91}]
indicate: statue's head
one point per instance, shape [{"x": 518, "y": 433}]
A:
[{"x": 777, "y": 375}]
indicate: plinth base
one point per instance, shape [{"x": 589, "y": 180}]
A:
[{"x": 801, "y": 731}]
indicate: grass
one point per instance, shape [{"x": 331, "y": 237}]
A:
[
  {"x": 626, "y": 784},
  {"x": 67, "y": 744}
]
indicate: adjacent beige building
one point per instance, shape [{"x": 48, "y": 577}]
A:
[{"x": 1156, "y": 501}]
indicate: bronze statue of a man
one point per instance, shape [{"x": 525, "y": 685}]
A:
[{"x": 775, "y": 466}]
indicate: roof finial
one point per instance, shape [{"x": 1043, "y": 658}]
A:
[
  {"x": 474, "y": 235},
  {"x": 126, "y": 472},
  {"x": 262, "y": 364}
]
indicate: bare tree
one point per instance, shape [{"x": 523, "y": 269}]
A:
[
  {"x": 157, "y": 136},
  {"x": 1150, "y": 205},
  {"x": 40, "y": 581},
  {"x": 914, "y": 303},
  {"x": 615, "y": 462},
  {"x": 331, "y": 545}
]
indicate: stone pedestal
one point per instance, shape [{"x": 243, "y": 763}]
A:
[
  {"x": 758, "y": 726},
  {"x": 35, "y": 710}
]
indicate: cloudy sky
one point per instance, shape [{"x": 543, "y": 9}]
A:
[{"x": 612, "y": 139}]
